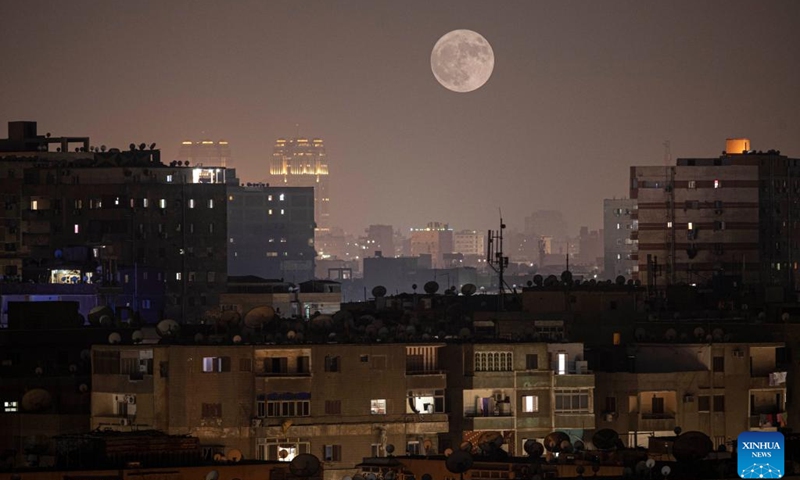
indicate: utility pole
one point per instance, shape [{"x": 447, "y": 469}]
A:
[{"x": 496, "y": 260}]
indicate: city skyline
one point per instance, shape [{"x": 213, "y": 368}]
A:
[{"x": 574, "y": 90}]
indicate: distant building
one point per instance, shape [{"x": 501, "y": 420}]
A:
[
  {"x": 300, "y": 162},
  {"x": 706, "y": 219},
  {"x": 206, "y": 152},
  {"x": 114, "y": 218},
  {"x": 380, "y": 238},
  {"x": 590, "y": 247},
  {"x": 271, "y": 231},
  {"x": 470, "y": 242},
  {"x": 618, "y": 247},
  {"x": 435, "y": 240}
]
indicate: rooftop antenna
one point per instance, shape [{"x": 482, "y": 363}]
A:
[
  {"x": 670, "y": 190},
  {"x": 496, "y": 259}
]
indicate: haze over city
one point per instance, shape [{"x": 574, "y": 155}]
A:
[{"x": 579, "y": 92}]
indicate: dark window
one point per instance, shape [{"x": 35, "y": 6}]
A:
[
  {"x": 212, "y": 410},
  {"x": 303, "y": 365},
  {"x": 332, "y": 363},
  {"x": 333, "y": 407},
  {"x": 245, "y": 365},
  {"x": 106, "y": 362},
  {"x": 703, "y": 403},
  {"x": 532, "y": 361},
  {"x": 364, "y": 358},
  {"x": 719, "y": 364},
  {"x": 163, "y": 368},
  {"x": 719, "y": 403},
  {"x": 332, "y": 453},
  {"x": 658, "y": 405},
  {"x": 275, "y": 365},
  {"x": 611, "y": 404}
]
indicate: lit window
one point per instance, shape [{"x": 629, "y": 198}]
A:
[
  {"x": 210, "y": 203},
  {"x": 269, "y": 212},
  {"x": 378, "y": 407},
  {"x": 191, "y": 203},
  {"x": 669, "y": 224},
  {"x": 282, "y": 211},
  {"x": 178, "y": 275},
  {"x": 10, "y": 407},
  {"x": 77, "y": 228},
  {"x": 530, "y": 403},
  {"x": 231, "y": 239},
  {"x": 618, "y": 226},
  {"x": 692, "y": 184},
  {"x": 283, "y": 240},
  {"x": 34, "y": 204},
  {"x": 145, "y": 203},
  {"x": 281, "y": 197},
  {"x": 619, "y": 256},
  {"x": 690, "y": 226},
  {"x": 169, "y": 178},
  {"x": 162, "y": 203},
  {"x": 269, "y": 198},
  {"x": 116, "y": 201},
  {"x": 562, "y": 363},
  {"x": 230, "y": 198},
  {"x": 716, "y": 184}
]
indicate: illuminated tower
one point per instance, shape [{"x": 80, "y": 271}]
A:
[
  {"x": 206, "y": 152},
  {"x": 301, "y": 162}
]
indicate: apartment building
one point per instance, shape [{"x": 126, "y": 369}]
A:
[
  {"x": 339, "y": 402},
  {"x": 718, "y": 389},
  {"x": 519, "y": 390}
]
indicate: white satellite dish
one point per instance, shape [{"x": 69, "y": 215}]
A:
[{"x": 114, "y": 338}]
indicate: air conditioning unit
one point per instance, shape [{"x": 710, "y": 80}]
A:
[
  {"x": 130, "y": 399},
  {"x": 738, "y": 353},
  {"x": 610, "y": 417},
  {"x": 688, "y": 399},
  {"x": 124, "y": 422},
  {"x": 256, "y": 422}
]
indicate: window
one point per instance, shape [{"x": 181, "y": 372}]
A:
[
  {"x": 611, "y": 405},
  {"x": 669, "y": 224},
  {"x": 304, "y": 364},
  {"x": 332, "y": 453},
  {"x": 333, "y": 407},
  {"x": 692, "y": 184},
  {"x": 282, "y": 211},
  {"x": 162, "y": 203},
  {"x": 10, "y": 406},
  {"x": 412, "y": 447},
  {"x": 245, "y": 365},
  {"x": 76, "y": 228},
  {"x": 283, "y": 449},
  {"x": 106, "y": 362},
  {"x": 145, "y": 203},
  {"x": 657, "y": 405},
  {"x": 363, "y": 358},
  {"x": 269, "y": 212},
  {"x": 717, "y": 184},
  {"x": 530, "y": 403},
  {"x": 269, "y": 198},
  {"x": 719, "y": 403},
  {"x": 34, "y": 204},
  {"x": 572, "y": 401},
  {"x": 216, "y": 364},
  {"x": 493, "y": 362},
  {"x": 690, "y": 226},
  {"x": 531, "y": 361},
  {"x": 210, "y": 228},
  {"x": 332, "y": 363},
  {"x": 178, "y": 275},
  {"x": 288, "y": 408},
  {"x": 169, "y": 178},
  {"x": 276, "y": 365},
  {"x": 261, "y": 407},
  {"x": 703, "y": 403},
  {"x": 378, "y": 407},
  {"x": 376, "y": 450},
  {"x": 212, "y": 410},
  {"x": 718, "y": 364},
  {"x": 210, "y": 203},
  {"x": 191, "y": 203},
  {"x": 281, "y": 197},
  {"x": 425, "y": 401},
  {"x": 561, "y": 368}
]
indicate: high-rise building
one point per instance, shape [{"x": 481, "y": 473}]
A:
[
  {"x": 732, "y": 217},
  {"x": 206, "y": 152},
  {"x": 300, "y": 162},
  {"x": 618, "y": 248},
  {"x": 435, "y": 240},
  {"x": 271, "y": 232},
  {"x": 470, "y": 242},
  {"x": 380, "y": 238}
]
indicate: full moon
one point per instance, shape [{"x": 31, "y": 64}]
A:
[{"x": 462, "y": 61}]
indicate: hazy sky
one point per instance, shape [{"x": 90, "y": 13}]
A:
[{"x": 581, "y": 90}]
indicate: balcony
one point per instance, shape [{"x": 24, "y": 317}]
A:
[
  {"x": 766, "y": 421},
  {"x": 656, "y": 422},
  {"x": 575, "y": 420},
  {"x": 494, "y": 422},
  {"x": 285, "y": 374}
]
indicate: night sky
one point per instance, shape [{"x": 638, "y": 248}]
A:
[{"x": 581, "y": 90}]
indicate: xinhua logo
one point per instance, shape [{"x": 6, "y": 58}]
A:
[{"x": 760, "y": 455}]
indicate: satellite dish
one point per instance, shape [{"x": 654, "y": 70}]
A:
[
  {"x": 36, "y": 400},
  {"x": 691, "y": 447},
  {"x": 259, "y": 316},
  {"x": 114, "y": 338},
  {"x": 379, "y": 291},
  {"x": 237, "y": 339},
  {"x": 229, "y": 318},
  {"x": 717, "y": 334},
  {"x": 699, "y": 332},
  {"x": 431, "y": 287},
  {"x": 304, "y": 465},
  {"x": 533, "y": 448},
  {"x": 665, "y": 470},
  {"x": 390, "y": 475},
  {"x": 459, "y": 462},
  {"x": 553, "y": 441},
  {"x": 83, "y": 388},
  {"x": 73, "y": 368},
  {"x": 390, "y": 448},
  {"x": 670, "y": 334},
  {"x": 291, "y": 334},
  {"x": 168, "y": 328},
  {"x": 468, "y": 289},
  {"x": 234, "y": 455},
  {"x": 428, "y": 446},
  {"x": 97, "y": 313},
  {"x": 641, "y": 467},
  {"x": 579, "y": 445},
  {"x": 448, "y": 452},
  {"x": 650, "y": 463},
  {"x": 605, "y": 439},
  {"x": 213, "y": 474},
  {"x": 137, "y": 336},
  {"x": 370, "y": 476}
]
